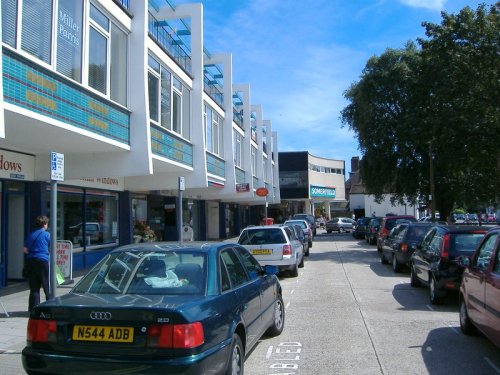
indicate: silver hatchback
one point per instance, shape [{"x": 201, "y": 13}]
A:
[
  {"x": 274, "y": 246},
  {"x": 340, "y": 224}
]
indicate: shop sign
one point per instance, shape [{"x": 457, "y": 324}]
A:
[
  {"x": 108, "y": 183},
  {"x": 323, "y": 191},
  {"x": 17, "y": 166},
  {"x": 262, "y": 192},
  {"x": 241, "y": 188}
]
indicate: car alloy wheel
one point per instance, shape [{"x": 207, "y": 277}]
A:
[
  {"x": 396, "y": 266},
  {"x": 341, "y": 230},
  {"x": 435, "y": 299},
  {"x": 237, "y": 360},
  {"x": 414, "y": 282},
  {"x": 466, "y": 324},
  {"x": 279, "y": 318}
]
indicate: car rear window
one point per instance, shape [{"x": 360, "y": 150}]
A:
[
  {"x": 465, "y": 243},
  {"x": 300, "y": 223},
  {"x": 262, "y": 236},
  {"x": 417, "y": 233},
  {"x": 391, "y": 223}
]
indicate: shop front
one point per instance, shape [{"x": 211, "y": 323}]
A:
[{"x": 16, "y": 174}]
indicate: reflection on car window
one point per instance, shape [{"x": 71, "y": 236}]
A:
[
  {"x": 484, "y": 255},
  {"x": 224, "y": 277},
  {"x": 236, "y": 271},
  {"x": 496, "y": 268},
  {"x": 253, "y": 267},
  {"x": 147, "y": 272}
]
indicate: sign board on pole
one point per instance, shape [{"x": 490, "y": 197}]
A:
[
  {"x": 182, "y": 184},
  {"x": 56, "y": 166},
  {"x": 64, "y": 259}
]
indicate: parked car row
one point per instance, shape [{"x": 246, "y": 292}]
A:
[{"x": 448, "y": 260}]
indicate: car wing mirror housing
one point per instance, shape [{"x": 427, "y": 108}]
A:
[
  {"x": 463, "y": 261},
  {"x": 271, "y": 270}
]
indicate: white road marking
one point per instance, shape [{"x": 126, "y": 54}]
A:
[
  {"x": 492, "y": 365},
  {"x": 430, "y": 307},
  {"x": 293, "y": 290},
  {"x": 287, "y": 305},
  {"x": 269, "y": 352}
]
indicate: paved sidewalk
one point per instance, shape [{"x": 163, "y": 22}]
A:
[{"x": 14, "y": 298}]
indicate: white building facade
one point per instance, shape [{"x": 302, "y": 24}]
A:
[{"x": 127, "y": 91}]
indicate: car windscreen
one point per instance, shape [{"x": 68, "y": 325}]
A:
[
  {"x": 300, "y": 223},
  {"x": 147, "y": 272},
  {"x": 260, "y": 236}
]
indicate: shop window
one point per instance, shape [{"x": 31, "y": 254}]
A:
[{"x": 86, "y": 218}]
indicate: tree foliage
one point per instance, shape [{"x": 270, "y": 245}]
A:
[{"x": 437, "y": 104}]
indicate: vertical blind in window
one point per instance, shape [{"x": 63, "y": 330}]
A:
[
  {"x": 36, "y": 36},
  {"x": 98, "y": 61},
  {"x": 118, "y": 68},
  {"x": 9, "y": 22}
]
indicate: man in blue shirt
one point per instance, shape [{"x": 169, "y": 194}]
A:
[{"x": 36, "y": 248}]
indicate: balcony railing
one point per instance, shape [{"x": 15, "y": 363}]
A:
[
  {"x": 162, "y": 33},
  {"x": 213, "y": 91},
  {"x": 123, "y": 3},
  {"x": 238, "y": 117}
]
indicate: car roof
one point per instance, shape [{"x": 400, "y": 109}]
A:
[
  {"x": 463, "y": 228},
  {"x": 165, "y": 246}
]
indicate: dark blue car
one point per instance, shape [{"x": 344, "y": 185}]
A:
[{"x": 158, "y": 308}]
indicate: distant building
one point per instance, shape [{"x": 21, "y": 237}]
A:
[
  {"x": 363, "y": 204},
  {"x": 311, "y": 184}
]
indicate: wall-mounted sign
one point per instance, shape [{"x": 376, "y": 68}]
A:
[
  {"x": 56, "y": 166},
  {"x": 241, "y": 188},
  {"x": 322, "y": 191},
  {"x": 17, "y": 166},
  {"x": 261, "y": 192}
]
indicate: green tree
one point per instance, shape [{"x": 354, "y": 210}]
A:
[{"x": 434, "y": 107}]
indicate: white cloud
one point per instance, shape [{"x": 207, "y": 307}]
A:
[{"x": 429, "y": 4}]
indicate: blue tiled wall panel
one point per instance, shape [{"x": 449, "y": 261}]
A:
[
  {"x": 165, "y": 144},
  {"x": 215, "y": 165},
  {"x": 30, "y": 86},
  {"x": 240, "y": 175}
]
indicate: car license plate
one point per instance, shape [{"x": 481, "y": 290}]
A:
[
  {"x": 262, "y": 252},
  {"x": 105, "y": 334}
]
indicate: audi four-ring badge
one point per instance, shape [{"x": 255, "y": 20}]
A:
[
  {"x": 158, "y": 308},
  {"x": 100, "y": 315}
]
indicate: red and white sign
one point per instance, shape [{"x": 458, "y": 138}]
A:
[
  {"x": 64, "y": 258},
  {"x": 262, "y": 192}
]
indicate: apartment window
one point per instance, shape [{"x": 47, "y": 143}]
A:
[
  {"x": 213, "y": 126},
  {"x": 36, "y": 36},
  {"x": 9, "y": 22},
  {"x": 254, "y": 161},
  {"x": 169, "y": 100},
  {"x": 238, "y": 149},
  {"x": 98, "y": 50},
  {"x": 118, "y": 66},
  {"x": 69, "y": 38}
]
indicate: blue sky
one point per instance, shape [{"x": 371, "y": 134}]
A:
[{"x": 300, "y": 56}]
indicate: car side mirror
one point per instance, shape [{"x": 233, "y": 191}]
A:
[
  {"x": 463, "y": 260},
  {"x": 271, "y": 270}
]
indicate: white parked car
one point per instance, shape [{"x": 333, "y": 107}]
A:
[{"x": 274, "y": 246}]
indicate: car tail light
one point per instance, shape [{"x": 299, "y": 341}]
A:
[
  {"x": 41, "y": 330},
  {"x": 176, "y": 336},
  {"x": 445, "y": 247},
  {"x": 404, "y": 247},
  {"x": 287, "y": 250}
]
